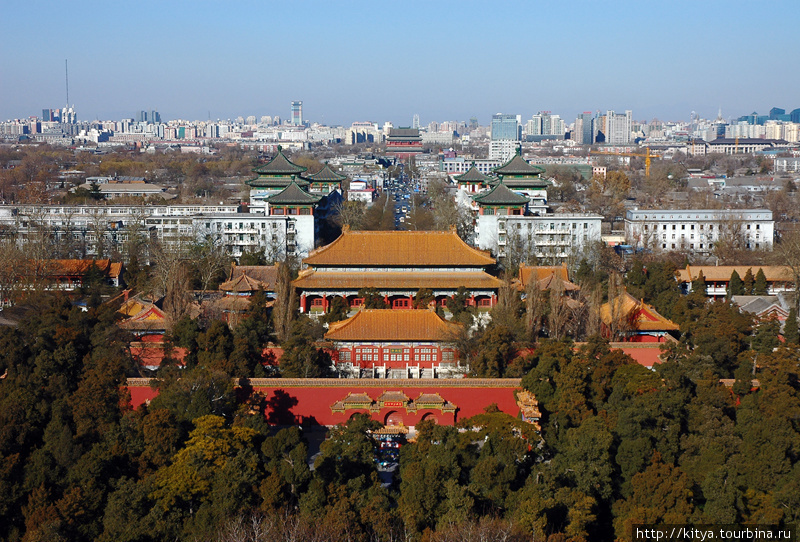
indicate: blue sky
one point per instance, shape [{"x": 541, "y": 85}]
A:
[{"x": 385, "y": 60}]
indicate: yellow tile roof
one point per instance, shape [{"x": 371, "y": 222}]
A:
[
  {"x": 400, "y": 249},
  {"x": 314, "y": 280},
  {"x": 722, "y": 273},
  {"x": 392, "y": 325},
  {"x": 637, "y": 313}
]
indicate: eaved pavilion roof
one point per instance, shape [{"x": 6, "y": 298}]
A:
[
  {"x": 640, "y": 315},
  {"x": 392, "y": 325},
  {"x": 277, "y": 172},
  {"x": 293, "y": 194},
  {"x": 473, "y": 176},
  {"x": 326, "y": 175},
  {"x": 243, "y": 283},
  {"x": 518, "y": 166},
  {"x": 500, "y": 194},
  {"x": 279, "y": 165},
  {"x": 398, "y": 249}
]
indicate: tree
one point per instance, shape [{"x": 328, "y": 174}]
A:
[
  {"x": 760, "y": 284},
  {"x": 301, "y": 358},
  {"x": 749, "y": 282},
  {"x": 790, "y": 329},
  {"x": 735, "y": 286},
  {"x": 210, "y": 260},
  {"x": 424, "y": 298},
  {"x": 337, "y": 310},
  {"x": 283, "y": 311},
  {"x": 373, "y": 298},
  {"x": 699, "y": 285}
]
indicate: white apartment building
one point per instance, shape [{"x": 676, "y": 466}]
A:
[
  {"x": 95, "y": 229},
  {"x": 503, "y": 149},
  {"x": 698, "y": 231},
  {"x": 552, "y": 238}
]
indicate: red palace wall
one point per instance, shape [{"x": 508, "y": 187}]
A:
[{"x": 309, "y": 401}]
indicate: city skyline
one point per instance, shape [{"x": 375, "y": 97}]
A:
[{"x": 356, "y": 61}]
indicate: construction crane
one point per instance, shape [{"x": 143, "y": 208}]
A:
[{"x": 646, "y": 157}]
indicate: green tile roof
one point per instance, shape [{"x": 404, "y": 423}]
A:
[
  {"x": 518, "y": 166},
  {"x": 279, "y": 165},
  {"x": 500, "y": 195},
  {"x": 293, "y": 194},
  {"x": 326, "y": 175},
  {"x": 473, "y": 176}
]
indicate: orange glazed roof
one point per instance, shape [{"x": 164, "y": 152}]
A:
[
  {"x": 722, "y": 273},
  {"x": 400, "y": 249},
  {"x": 314, "y": 280},
  {"x": 542, "y": 272},
  {"x": 640, "y": 315},
  {"x": 392, "y": 325},
  {"x": 76, "y": 267},
  {"x": 243, "y": 283}
]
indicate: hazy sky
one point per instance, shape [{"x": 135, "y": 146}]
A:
[{"x": 386, "y": 60}]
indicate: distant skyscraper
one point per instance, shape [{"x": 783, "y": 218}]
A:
[
  {"x": 415, "y": 122},
  {"x": 48, "y": 115},
  {"x": 506, "y": 127},
  {"x": 297, "y": 113},
  {"x": 473, "y": 123},
  {"x": 155, "y": 117},
  {"x": 618, "y": 127},
  {"x": 583, "y": 133}
]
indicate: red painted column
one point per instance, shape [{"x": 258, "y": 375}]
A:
[
  {"x": 303, "y": 307},
  {"x": 472, "y": 301},
  {"x": 325, "y": 302},
  {"x": 411, "y": 302}
]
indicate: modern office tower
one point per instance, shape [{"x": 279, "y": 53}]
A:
[
  {"x": 141, "y": 116},
  {"x": 473, "y": 123},
  {"x": 506, "y": 127},
  {"x": 618, "y": 127},
  {"x": 776, "y": 113},
  {"x": 155, "y": 117},
  {"x": 583, "y": 132},
  {"x": 415, "y": 122},
  {"x": 297, "y": 113}
]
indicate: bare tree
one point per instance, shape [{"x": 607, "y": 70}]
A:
[
  {"x": 283, "y": 311},
  {"x": 535, "y": 309},
  {"x": 559, "y": 314},
  {"x": 209, "y": 258},
  {"x": 349, "y": 213}
]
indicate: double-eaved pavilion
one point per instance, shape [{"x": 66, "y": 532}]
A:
[
  {"x": 273, "y": 177},
  {"x": 520, "y": 176},
  {"x": 398, "y": 264}
]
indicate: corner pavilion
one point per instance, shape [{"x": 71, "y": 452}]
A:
[{"x": 398, "y": 264}]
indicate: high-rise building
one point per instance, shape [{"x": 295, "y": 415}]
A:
[
  {"x": 415, "y": 122},
  {"x": 297, "y": 113},
  {"x": 506, "y": 127},
  {"x": 155, "y": 117},
  {"x": 583, "y": 132},
  {"x": 618, "y": 127},
  {"x": 473, "y": 123}
]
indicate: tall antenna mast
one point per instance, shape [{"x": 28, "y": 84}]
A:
[{"x": 66, "y": 73}]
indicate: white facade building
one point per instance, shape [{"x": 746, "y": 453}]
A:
[
  {"x": 698, "y": 231},
  {"x": 551, "y": 238}
]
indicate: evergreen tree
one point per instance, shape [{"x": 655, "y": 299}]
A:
[
  {"x": 699, "y": 285},
  {"x": 337, "y": 310},
  {"x": 749, "y": 282},
  {"x": 735, "y": 286},
  {"x": 790, "y": 331},
  {"x": 760, "y": 286},
  {"x": 373, "y": 298}
]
